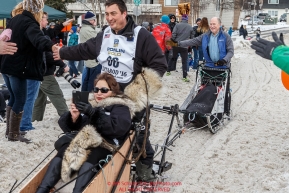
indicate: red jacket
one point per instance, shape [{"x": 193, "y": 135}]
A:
[{"x": 162, "y": 33}]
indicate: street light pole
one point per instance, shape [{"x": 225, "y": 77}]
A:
[{"x": 137, "y": 3}]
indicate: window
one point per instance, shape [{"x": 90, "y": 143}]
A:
[
  {"x": 171, "y": 2},
  {"x": 273, "y": 13},
  {"x": 273, "y": 1}
]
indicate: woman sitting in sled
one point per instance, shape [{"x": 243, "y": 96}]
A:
[{"x": 105, "y": 120}]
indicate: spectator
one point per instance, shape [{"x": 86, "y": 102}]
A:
[
  {"x": 173, "y": 22},
  {"x": 258, "y": 33},
  {"x": 49, "y": 87},
  {"x": 162, "y": 33},
  {"x": 230, "y": 31},
  {"x": 73, "y": 40},
  {"x": 91, "y": 68},
  {"x": 146, "y": 25},
  {"x": 27, "y": 63},
  {"x": 182, "y": 31}
]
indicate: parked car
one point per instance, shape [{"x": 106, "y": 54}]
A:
[
  {"x": 263, "y": 15},
  {"x": 283, "y": 17}
]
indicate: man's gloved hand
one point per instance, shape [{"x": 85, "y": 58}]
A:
[
  {"x": 75, "y": 84},
  {"x": 221, "y": 62},
  {"x": 85, "y": 108},
  {"x": 265, "y": 48},
  {"x": 171, "y": 43}
]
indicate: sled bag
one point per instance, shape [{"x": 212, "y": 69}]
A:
[{"x": 204, "y": 101}]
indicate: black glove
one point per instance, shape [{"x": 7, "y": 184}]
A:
[
  {"x": 265, "y": 48},
  {"x": 75, "y": 84},
  {"x": 281, "y": 38},
  {"x": 221, "y": 62},
  {"x": 59, "y": 72},
  {"x": 85, "y": 108}
]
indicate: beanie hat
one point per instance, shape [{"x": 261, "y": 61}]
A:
[
  {"x": 199, "y": 19},
  {"x": 89, "y": 16},
  {"x": 185, "y": 17},
  {"x": 74, "y": 28},
  {"x": 33, "y": 6},
  {"x": 165, "y": 19},
  {"x": 145, "y": 24}
]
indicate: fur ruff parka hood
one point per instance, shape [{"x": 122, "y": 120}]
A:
[{"x": 135, "y": 98}]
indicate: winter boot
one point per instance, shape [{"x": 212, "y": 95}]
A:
[
  {"x": 51, "y": 177},
  {"x": 83, "y": 180},
  {"x": 14, "y": 125},
  {"x": 8, "y": 111},
  {"x": 144, "y": 172}
]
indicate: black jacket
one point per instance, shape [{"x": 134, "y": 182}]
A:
[
  {"x": 111, "y": 122},
  {"x": 27, "y": 62},
  {"x": 172, "y": 25},
  {"x": 147, "y": 54}
]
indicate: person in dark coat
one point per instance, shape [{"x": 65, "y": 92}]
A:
[
  {"x": 107, "y": 117},
  {"x": 243, "y": 32},
  {"x": 26, "y": 63}
]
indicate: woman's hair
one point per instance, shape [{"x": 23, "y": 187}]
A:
[
  {"x": 204, "y": 25},
  {"x": 113, "y": 85},
  {"x": 18, "y": 9}
]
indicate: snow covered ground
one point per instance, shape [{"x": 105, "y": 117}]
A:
[{"x": 249, "y": 154}]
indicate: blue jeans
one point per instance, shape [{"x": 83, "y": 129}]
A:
[
  {"x": 196, "y": 58},
  {"x": 80, "y": 66},
  {"x": 17, "y": 88},
  {"x": 72, "y": 68},
  {"x": 32, "y": 93},
  {"x": 88, "y": 77}
]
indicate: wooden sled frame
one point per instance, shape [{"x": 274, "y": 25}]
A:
[{"x": 105, "y": 179}]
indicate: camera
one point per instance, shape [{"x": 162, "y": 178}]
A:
[{"x": 74, "y": 83}]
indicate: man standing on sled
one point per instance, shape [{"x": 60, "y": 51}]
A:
[
  {"x": 124, "y": 50},
  {"x": 217, "y": 46}
]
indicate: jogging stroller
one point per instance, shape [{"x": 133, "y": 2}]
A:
[{"x": 209, "y": 101}]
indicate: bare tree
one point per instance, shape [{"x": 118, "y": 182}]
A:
[{"x": 94, "y": 4}]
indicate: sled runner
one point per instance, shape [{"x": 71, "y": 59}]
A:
[
  {"x": 105, "y": 179},
  {"x": 208, "y": 104}
]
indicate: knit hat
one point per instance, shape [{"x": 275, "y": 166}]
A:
[
  {"x": 89, "y": 16},
  {"x": 165, "y": 19},
  {"x": 145, "y": 24},
  {"x": 185, "y": 17},
  {"x": 33, "y": 6},
  {"x": 199, "y": 19},
  {"x": 74, "y": 28}
]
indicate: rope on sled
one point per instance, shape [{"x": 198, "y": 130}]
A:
[{"x": 12, "y": 189}]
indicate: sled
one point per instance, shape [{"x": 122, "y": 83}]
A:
[{"x": 105, "y": 179}]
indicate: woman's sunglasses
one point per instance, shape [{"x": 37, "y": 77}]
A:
[{"x": 102, "y": 90}]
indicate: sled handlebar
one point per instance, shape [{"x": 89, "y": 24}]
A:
[{"x": 154, "y": 106}]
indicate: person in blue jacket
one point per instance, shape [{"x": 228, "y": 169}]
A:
[{"x": 230, "y": 31}]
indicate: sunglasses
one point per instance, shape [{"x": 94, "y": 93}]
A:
[{"x": 102, "y": 90}]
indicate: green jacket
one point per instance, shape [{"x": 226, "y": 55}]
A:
[{"x": 280, "y": 58}]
